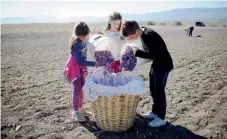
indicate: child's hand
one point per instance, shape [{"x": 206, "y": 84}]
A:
[
  {"x": 98, "y": 66},
  {"x": 134, "y": 50}
]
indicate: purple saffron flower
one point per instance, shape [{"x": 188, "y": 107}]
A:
[
  {"x": 103, "y": 58},
  {"x": 128, "y": 60}
]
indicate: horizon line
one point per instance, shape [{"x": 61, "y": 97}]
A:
[{"x": 107, "y": 15}]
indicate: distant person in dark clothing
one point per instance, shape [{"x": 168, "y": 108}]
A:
[{"x": 189, "y": 31}]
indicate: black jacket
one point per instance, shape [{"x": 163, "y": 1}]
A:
[{"x": 155, "y": 48}]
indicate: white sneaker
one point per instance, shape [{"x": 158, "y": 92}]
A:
[
  {"x": 157, "y": 122},
  {"x": 76, "y": 115},
  {"x": 149, "y": 115}
]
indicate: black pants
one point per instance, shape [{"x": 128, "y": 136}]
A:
[
  {"x": 190, "y": 32},
  {"x": 157, "y": 88}
]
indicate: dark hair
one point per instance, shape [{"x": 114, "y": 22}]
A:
[
  {"x": 82, "y": 29},
  {"x": 129, "y": 28},
  {"x": 114, "y": 16}
]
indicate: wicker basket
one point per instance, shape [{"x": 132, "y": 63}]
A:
[{"x": 115, "y": 113}]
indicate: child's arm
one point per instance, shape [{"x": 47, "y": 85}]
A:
[
  {"x": 142, "y": 54},
  {"x": 77, "y": 54}
]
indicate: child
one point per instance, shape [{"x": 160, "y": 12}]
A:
[
  {"x": 113, "y": 27},
  {"x": 113, "y": 31},
  {"x": 76, "y": 67},
  {"x": 154, "y": 48}
]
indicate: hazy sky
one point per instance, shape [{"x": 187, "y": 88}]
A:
[{"x": 10, "y": 8}]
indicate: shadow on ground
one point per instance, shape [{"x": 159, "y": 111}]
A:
[{"x": 140, "y": 130}]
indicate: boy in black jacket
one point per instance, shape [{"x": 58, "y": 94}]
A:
[{"x": 155, "y": 49}]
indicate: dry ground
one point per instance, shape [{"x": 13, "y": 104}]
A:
[{"x": 35, "y": 96}]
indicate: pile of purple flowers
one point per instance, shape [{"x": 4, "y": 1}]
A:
[
  {"x": 128, "y": 60},
  {"x": 103, "y": 58}
]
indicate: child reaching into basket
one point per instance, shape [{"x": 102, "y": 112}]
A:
[
  {"x": 154, "y": 48},
  {"x": 76, "y": 68}
]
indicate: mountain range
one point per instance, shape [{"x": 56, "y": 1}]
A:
[{"x": 175, "y": 14}]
